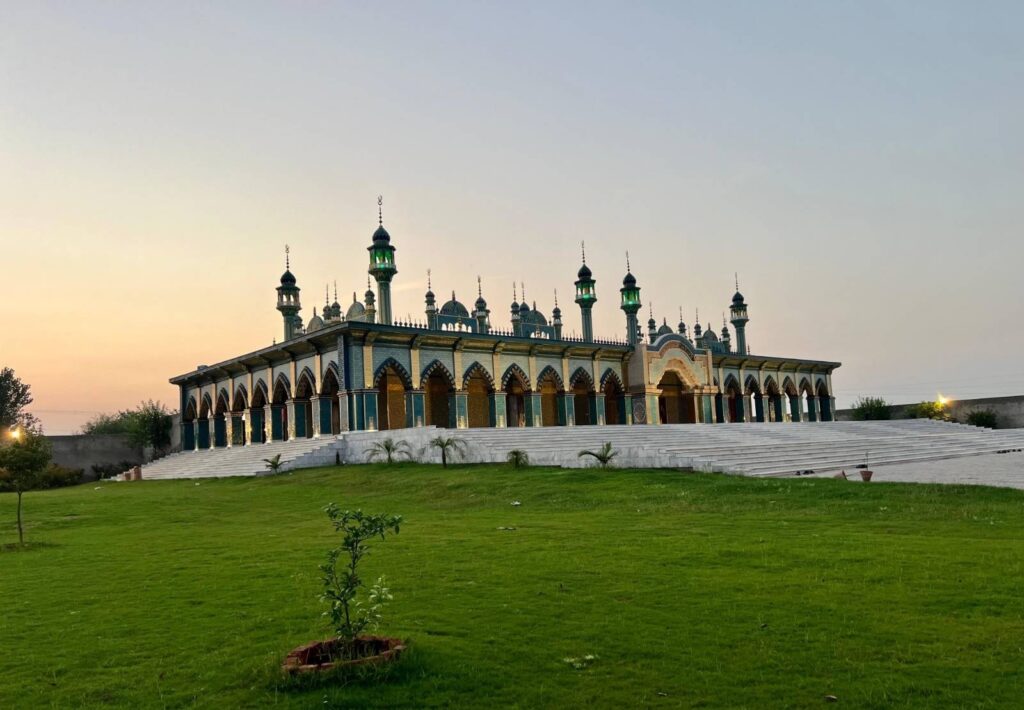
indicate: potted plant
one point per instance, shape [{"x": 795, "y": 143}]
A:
[
  {"x": 865, "y": 472},
  {"x": 350, "y": 617}
]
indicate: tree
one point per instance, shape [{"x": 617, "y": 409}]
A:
[
  {"x": 149, "y": 424},
  {"x": 388, "y": 449},
  {"x": 604, "y": 455},
  {"x": 22, "y": 463},
  {"x": 449, "y": 446},
  {"x": 928, "y": 410},
  {"x": 871, "y": 408},
  {"x": 15, "y": 395},
  {"x": 350, "y": 617}
]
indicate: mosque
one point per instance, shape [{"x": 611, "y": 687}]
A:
[{"x": 363, "y": 370}]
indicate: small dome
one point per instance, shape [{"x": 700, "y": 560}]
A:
[
  {"x": 737, "y": 298},
  {"x": 356, "y": 310},
  {"x": 515, "y": 307},
  {"x": 725, "y": 333},
  {"x": 381, "y": 235},
  {"x": 429, "y": 295},
  {"x": 664, "y": 329},
  {"x": 481, "y": 304},
  {"x": 651, "y": 324},
  {"x": 315, "y": 323},
  {"x": 584, "y": 273},
  {"x": 709, "y": 335},
  {"x": 535, "y": 317},
  {"x": 287, "y": 278},
  {"x": 629, "y": 281},
  {"x": 454, "y": 308},
  {"x": 556, "y": 312}
]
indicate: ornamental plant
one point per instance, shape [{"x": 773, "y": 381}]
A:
[
  {"x": 604, "y": 455},
  {"x": 23, "y": 463},
  {"x": 349, "y": 615},
  {"x": 450, "y": 447},
  {"x": 389, "y": 450}
]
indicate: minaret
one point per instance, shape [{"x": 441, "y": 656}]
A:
[
  {"x": 682, "y": 325},
  {"x": 652, "y": 325},
  {"x": 696, "y": 326},
  {"x": 586, "y": 296},
  {"x": 431, "y": 305},
  {"x": 382, "y": 263},
  {"x": 288, "y": 300},
  {"x": 738, "y": 311},
  {"x": 630, "y": 296},
  {"x": 481, "y": 312},
  {"x": 371, "y": 311},
  {"x": 516, "y": 324},
  {"x": 336, "y": 307},
  {"x": 556, "y": 320},
  {"x": 726, "y": 338}
]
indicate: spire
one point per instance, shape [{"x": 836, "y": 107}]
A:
[
  {"x": 522, "y": 288},
  {"x": 287, "y": 259},
  {"x": 627, "y": 263},
  {"x": 737, "y": 275},
  {"x": 380, "y": 210},
  {"x": 583, "y": 250},
  {"x": 514, "y": 297},
  {"x": 479, "y": 287},
  {"x": 556, "y": 297},
  {"x": 335, "y": 290}
]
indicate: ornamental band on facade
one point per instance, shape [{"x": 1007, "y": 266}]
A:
[{"x": 362, "y": 370}]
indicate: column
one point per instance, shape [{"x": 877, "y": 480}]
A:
[
  {"x": 317, "y": 423},
  {"x": 597, "y": 402},
  {"x": 195, "y": 435},
  {"x": 289, "y": 408},
  {"x": 344, "y": 421},
  {"x": 566, "y": 409},
  {"x": 534, "y": 411},
  {"x": 498, "y": 410},
  {"x": 458, "y": 409},
  {"x": 229, "y": 428},
  {"x": 268, "y": 423},
  {"x": 812, "y": 409},
  {"x": 415, "y": 403},
  {"x": 759, "y": 408}
]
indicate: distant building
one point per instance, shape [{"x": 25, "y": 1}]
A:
[{"x": 363, "y": 370}]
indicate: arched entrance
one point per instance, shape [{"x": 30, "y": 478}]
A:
[
  {"x": 188, "y": 429},
  {"x": 734, "y": 400},
  {"x": 304, "y": 390},
  {"x": 220, "y": 424},
  {"x": 438, "y": 386},
  {"x": 810, "y": 402},
  {"x": 516, "y": 390},
  {"x": 583, "y": 404},
  {"x": 793, "y": 395},
  {"x": 203, "y": 434},
  {"x": 824, "y": 402},
  {"x": 478, "y": 396},
  {"x": 776, "y": 409},
  {"x": 675, "y": 402},
  {"x": 550, "y": 386},
  {"x": 257, "y": 414},
  {"x": 279, "y": 411},
  {"x": 614, "y": 399},
  {"x": 238, "y": 433},
  {"x": 391, "y": 387},
  {"x": 754, "y": 399},
  {"x": 330, "y": 405}
]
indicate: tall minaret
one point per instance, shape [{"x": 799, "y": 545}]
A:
[
  {"x": 431, "y": 305},
  {"x": 517, "y": 328},
  {"x": 652, "y": 325},
  {"x": 481, "y": 312},
  {"x": 288, "y": 300},
  {"x": 630, "y": 294},
  {"x": 382, "y": 264},
  {"x": 368, "y": 299},
  {"x": 586, "y": 296},
  {"x": 556, "y": 318},
  {"x": 738, "y": 311}
]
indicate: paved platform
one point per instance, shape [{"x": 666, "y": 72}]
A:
[{"x": 1002, "y": 470}]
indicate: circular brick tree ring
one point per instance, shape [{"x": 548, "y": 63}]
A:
[{"x": 327, "y": 655}]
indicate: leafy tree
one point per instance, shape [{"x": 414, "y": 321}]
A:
[
  {"x": 23, "y": 462},
  {"x": 929, "y": 410},
  {"x": 274, "y": 464},
  {"x": 518, "y": 458},
  {"x": 388, "y": 449},
  {"x": 15, "y": 396},
  {"x": 149, "y": 424},
  {"x": 984, "y": 418},
  {"x": 604, "y": 455},
  {"x": 449, "y": 446},
  {"x": 349, "y": 616},
  {"x": 871, "y": 408}
]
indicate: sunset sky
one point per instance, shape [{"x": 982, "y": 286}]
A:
[{"x": 860, "y": 165}]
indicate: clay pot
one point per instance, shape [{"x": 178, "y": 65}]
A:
[
  {"x": 865, "y": 475},
  {"x": 320, "y": 656}
]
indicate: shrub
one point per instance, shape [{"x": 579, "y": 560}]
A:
[
  {"x": 388, "y": 449},
  {"x": 983, "y": 417},
  {"x": 518, "y": 458},
  {"x": 928, "y": 410},
  {"x": 871, "y": 408},
  {"x": 57, "y": 476},
  {"x": 604, "y": 455},
  {"x": 274, "y": 464},
  {"x": 350, "y": 616}
]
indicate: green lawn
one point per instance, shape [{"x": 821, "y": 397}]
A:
[{"x": 692, "y": 590}]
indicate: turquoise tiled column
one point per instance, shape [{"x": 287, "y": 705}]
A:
[
  {"x": 534, "y": 411},
  {"x": 415, "y": 408},
  {"x": 597, "y": 406},
  {"x": 458, "y": 410},
  {"x": 566, "y": 410}
]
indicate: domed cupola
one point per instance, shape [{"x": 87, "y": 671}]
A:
[
  {"x": 315, "y": 323},
  {"x": 382, "y": 264},
  {"x": 356, "y": 311},
  {"x": 454, "y": 308},
  {"x": 665, "y": 328},
  {"x": 287, "y": 278}
]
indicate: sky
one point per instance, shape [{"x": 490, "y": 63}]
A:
[{"x": 859, "y": 165}]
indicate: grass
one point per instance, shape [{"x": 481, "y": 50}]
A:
[{"x": 691, "y": 590}]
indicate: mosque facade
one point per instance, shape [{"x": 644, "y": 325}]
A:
[{"x": 359, "y": 368}]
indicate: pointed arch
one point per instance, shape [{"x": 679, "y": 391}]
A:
[
  {"x": 610, "y": 375},
  {"x": 475, "y": 368},
  {"x": 206, "y": 406},
  {"x": 392, "y": 364},
  {"x": 331, "y": 382},
  {"x": 305, "y": 385},
  {"x": 751, "y": 386},
  {"x": 788, "y": 387},
  {"x": 731, "y": 384},
  {"x": 282, "y": 385},
  {"x": 436, "y": 367},
  {"x": 260, "y": 396},
  {"x": 191, "y": 410},
  {"x": 223, "y": 401},
  {"x": 241, "y": 400},
  {"x": 805, "y": 386},
  {"x": 580, "y": 377},
  {"x": 515, "y": 372},
  {"x": 550, "y": 373},
  {"x": 770, "y": 386}
]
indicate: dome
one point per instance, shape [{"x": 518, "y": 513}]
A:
[
  {"x": 481, "y": 304},
  {"x": 356, "y": 310},
  {"x": 709, "y": 335},
  {"x": 664, "y": 329},
  {"x": 315, "y": 323},
  {"x": 725, "y": 333},
  {"x": 737, "y": 298},
  {"x": 454, "y": 308},
  {"x": 287, "y": 279},
  {"x": 381, "y": 235},
  {"x": 629, "y": 281},
  {"x": 584, "y": 273},
  {"x": 535, "y": 317}
]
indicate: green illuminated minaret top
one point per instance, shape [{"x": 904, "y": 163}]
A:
[
  {"x": 382, "y": 264},
  {"x": 288, "y": 299},
  {"x": 738, "y": 313},
  {"x": 630, "y": 294},
  {"x": 586, "y": 295}
]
